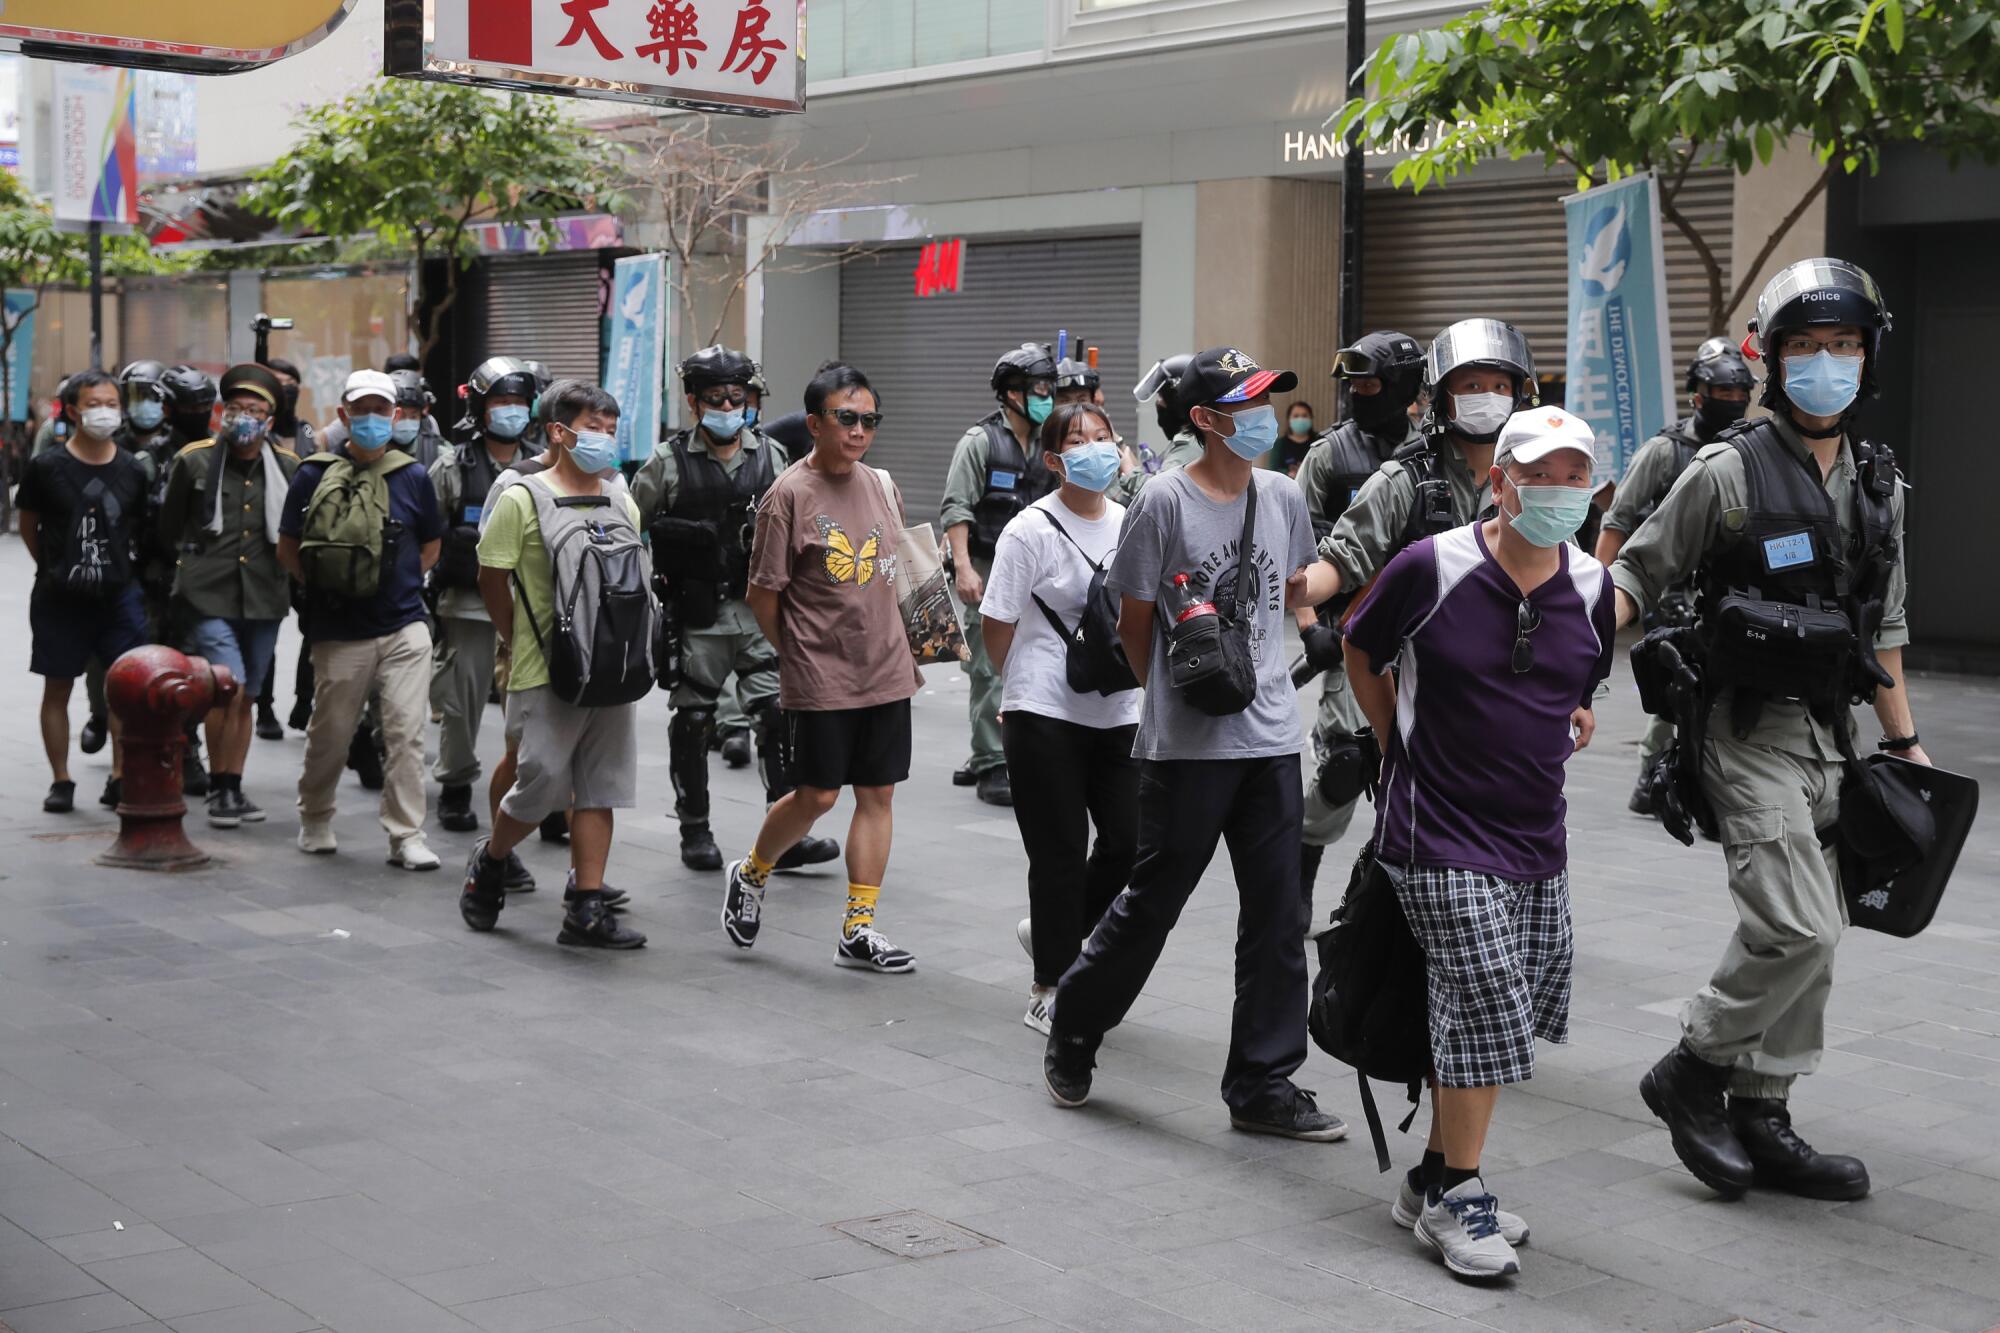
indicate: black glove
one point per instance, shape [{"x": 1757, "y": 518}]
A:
[{"x": 1322, "y": 644}]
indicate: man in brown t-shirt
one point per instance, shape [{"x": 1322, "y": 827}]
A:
[{"x": 822, "y": 587}]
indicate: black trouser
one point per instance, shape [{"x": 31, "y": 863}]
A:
[
  {"x": 1256, "y": 806},
  {"x": 1066, "y": 778}
]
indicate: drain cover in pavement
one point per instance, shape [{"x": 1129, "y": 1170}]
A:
[{"x": 913, "y": 1235}]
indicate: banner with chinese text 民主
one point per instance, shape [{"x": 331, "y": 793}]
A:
[
  {"x": 1620, "y": 376},
  {"x": 635, "y": 358}
]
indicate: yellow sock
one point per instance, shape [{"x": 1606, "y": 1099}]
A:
[
  {"x": 860, "y": 908},
  {"x": 756, "y": 870}
]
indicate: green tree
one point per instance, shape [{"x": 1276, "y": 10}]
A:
[
  {"x": 419, "y": 164},
  {"x": 1614, "y": 87}
]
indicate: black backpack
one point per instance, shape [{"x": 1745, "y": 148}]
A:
[
  {"x": 1093, "y": 658},
  {"x": 1370, "y": 1002},
  {"x": 97, "y": 559}
]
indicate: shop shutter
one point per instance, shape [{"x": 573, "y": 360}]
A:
[
  {"x": 1497, "y": 249},
  {"x": 932, "y": 356},
  {"x": 545, "y": 308}
]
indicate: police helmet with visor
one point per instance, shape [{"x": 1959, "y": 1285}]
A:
[
  {"x": 1486, "y": 344},
  {"x": 1022, "y": 366},
  {"x": 1818, "y": 292}
]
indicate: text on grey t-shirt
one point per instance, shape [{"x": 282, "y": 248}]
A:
[{"x": 1173, "y": 527}]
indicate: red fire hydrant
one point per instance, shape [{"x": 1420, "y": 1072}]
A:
[{"x": 154, "y": 691}]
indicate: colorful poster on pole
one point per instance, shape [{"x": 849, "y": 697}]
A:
[
  {"x": 97, "y": 152},
  {"x": 20, "y": 352},
  {"x": 1619, "y": 369},
  {"x": 636, "y": 355}
]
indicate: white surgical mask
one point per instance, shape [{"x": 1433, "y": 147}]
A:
[
  {"x": 100, "y": 422},
  {"x": 1477, "y": 415}
]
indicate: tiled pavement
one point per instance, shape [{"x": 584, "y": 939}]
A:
[{"x": 217, "y": 1113}]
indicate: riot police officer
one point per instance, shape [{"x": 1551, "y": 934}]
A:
[
  {"x": 996, "y": 472},
  {"x": 462, "y": 659},
  {"x": 298, "y": 436},
  {"x": 1791, "y": 521},
  {"x": 190, "y": 402},
  {"x": 1383, "y": 373},
  {"x": 1183, "y": 441},
  {"x": 1718, "y": 386},
  {"x": 698, "y": 494}
]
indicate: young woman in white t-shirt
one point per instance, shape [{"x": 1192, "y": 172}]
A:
[{"x": 1069, "y": 755}]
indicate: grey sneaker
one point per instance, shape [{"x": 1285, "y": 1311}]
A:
[
  {"x": 1041, "y": 1006},
  {"x": 1462, "y": 1226},
  {"x": 1409, "y": 1206}
]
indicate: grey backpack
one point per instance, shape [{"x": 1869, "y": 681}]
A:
[{"x": 599, "y": 639}]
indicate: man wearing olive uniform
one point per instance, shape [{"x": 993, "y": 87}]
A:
[
  {"x": 1788, "y": 516},
  {"x": 1384, "y": 372},
  {"x": 996, "y": 472},
  {"x": 1719, "y": 384},
  {"x": 698, "y": 495}
]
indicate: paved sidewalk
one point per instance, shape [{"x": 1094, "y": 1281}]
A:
[{"x": 291, "y": 1093}]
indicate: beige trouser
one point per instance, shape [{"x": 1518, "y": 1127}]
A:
[
  {"x": 1764, "y": 1009},
  {"x": 344, "y": 670}
]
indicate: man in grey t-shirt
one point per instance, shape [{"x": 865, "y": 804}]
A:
[{"x": 1205, "y": 779}]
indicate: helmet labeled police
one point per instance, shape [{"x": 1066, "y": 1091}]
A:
[
  {"x": 1023, "y": 366},
  {"x": 1487, "y": 344},
  {"x": 1717, "y": 364},
  {"x": 1818, "y": 292},
  {"x": 716, "y": 365}
]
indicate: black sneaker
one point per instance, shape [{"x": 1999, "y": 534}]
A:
[
  {"x": 1066, "y": 1066},
  {"x": 91, "y": 739},
  {"x": 194, "y": 778},
  {"x": 555, "y": 827},
  {"x": 222, "y": 811},
  {"x": 589, "y": 922},
  {"x": 698, "y": 849},
  {"x": 517, "y": 878},
  {"x": 867, "y": 949},
  {"x": 365, "y": 760},
  {"x": 736, "y": 749},
  {"x": 455, "y": 809},
  {"x": 614, "y": 899},
  {"x": 995, "y": 788},
  {"x": 809, "y": 851},
  {"x": 268, "y": 727},
  {"x": 1292, "y": 1115},
  {"x": 61, "y": 798},
  {"x": 742, "y": 907},
  {"x": 247, "y": 810},
  {"x": 485, "y": 892},
  {"x": 113, "y": 791}
]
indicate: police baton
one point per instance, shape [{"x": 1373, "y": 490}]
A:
[{"x": 1303, "y": 672}]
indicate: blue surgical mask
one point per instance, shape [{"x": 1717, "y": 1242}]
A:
[
  {"x": 1092, "y": 466},
  {"x": 724, "y": 425},
  {"x": 1039, "y": 408},
  {"x": 147, "y": 413},
  {"x": 749, "y": 416},
  {"x": 1549, "y": 514},
  {"x": 404, "y": 432},
  {"x": 593, "y": 450},
  {"x": 1256, "y": 432},
  {"x": 369, "y": 432},
  {"x": 507, "y": 423},
  {"x": 1823, "y": 384}
]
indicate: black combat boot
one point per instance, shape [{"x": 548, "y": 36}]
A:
[
  {"x": 1784, "y": 1161},
  {"x": 1687, "y": 1092},
  {"x": 455, "y": 809},
  {"x": 687, "y": 764}
]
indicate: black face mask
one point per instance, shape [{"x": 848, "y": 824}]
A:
[
  {"x": 1712, "y": 415},
  {"x": 1381, "y": 413}
]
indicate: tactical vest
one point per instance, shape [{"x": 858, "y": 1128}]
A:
[
  {"x": 1015, "y": 479},
  {"x": 1433, "y": 511},
  {"x": 1352, "y": 458},
  {"x": 458, "y": 559},
  {"x": 1681, "y": 435},
  {"x": 1789, "y": 608},
  {"x": 710, "y": 496}
]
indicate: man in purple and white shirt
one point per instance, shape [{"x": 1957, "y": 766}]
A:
[{"x": 1499, "y": 632}]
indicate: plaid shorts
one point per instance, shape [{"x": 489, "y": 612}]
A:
[{"x": 1498, "y": 952}]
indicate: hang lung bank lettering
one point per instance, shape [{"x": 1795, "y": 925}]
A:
[{"x": 728, "y": 55}]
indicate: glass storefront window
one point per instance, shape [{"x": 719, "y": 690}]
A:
[
  {"x": 341, "y": 321},
  {"x": 857, "y": 37}
]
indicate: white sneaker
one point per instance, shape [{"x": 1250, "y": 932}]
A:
[
  {"x": 413, "y": 853},
  {"x": 1041, "y": 1008},
  {"x": 1462, "y": 1228},
  {"x": 1409, "y": 1206},
  {"x": 316, "y": 835},
  {"x": 1025, "y": 932}
]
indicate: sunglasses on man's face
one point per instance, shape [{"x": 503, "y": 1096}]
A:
[
  {"x": 1527, "y": 619},
  {"x": 848, "y": 418}
]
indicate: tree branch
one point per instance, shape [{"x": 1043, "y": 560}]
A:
[{"x": 1755, "y": 267}]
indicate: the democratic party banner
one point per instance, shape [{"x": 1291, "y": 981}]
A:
[
  {"x": 1619, "y": 369},
  {"x": 97, "y": 150},
  {"x": 635, "y": 362}
]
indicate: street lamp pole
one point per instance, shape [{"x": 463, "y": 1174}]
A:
[{"x": 1351, "y": 185}]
